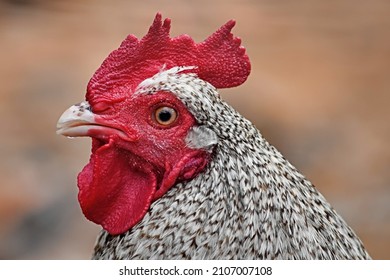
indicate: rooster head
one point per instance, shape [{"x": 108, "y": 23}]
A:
[{"x": 144, "y": 138}]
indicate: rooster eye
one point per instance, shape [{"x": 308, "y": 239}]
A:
[{"x": 165, "y": 115}]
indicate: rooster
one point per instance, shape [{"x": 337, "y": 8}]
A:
[{"x": 177, "y": 173}]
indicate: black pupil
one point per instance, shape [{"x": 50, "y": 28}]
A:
[{"x": 164, "y": 115}]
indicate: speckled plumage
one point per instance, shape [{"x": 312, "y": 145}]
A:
[{"x": 249, "y": 202}]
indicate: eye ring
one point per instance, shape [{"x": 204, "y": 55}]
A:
[{"x": 165, "y": 115}]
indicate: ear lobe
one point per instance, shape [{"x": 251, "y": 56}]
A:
[
  {"x": 185, "y": 169},
  {"x": 201, "y": 137}
]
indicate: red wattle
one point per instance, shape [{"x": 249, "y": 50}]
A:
[{"x": 116, "y": 188}]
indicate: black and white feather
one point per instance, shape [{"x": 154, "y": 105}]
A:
[{"x": 249, "y": 203}]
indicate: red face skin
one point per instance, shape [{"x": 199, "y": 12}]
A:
[{"x": 135, "y": 159}]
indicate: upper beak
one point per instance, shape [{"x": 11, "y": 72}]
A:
[
  {"x": 76, "y": 120},
  {"x": 79, "y": 120}
]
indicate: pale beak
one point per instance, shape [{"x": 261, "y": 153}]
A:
[
  {"x": 76, "y": 120},
  {"x": 79, "y": 120}
]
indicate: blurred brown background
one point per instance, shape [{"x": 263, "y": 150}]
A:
[{"x": 319, "y": 91}]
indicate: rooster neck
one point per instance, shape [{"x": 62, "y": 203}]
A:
[{"x": 249, "y": 203}]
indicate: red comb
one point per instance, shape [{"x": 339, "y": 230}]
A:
[{"x": 219, "y": 60}]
